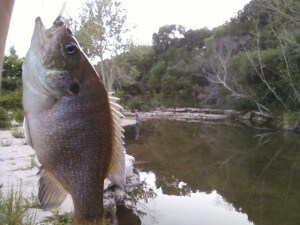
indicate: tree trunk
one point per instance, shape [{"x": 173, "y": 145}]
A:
[{"x": 5, "y": 15}]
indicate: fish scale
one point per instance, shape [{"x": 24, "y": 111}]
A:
[{"x": 72, "y": 123}]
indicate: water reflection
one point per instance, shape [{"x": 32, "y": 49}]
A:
[
  {"x": 196, "y": 208},
  {"x": 250, "y": 174},
  {"x": 137, "y": 131},
  {"x": 127, "y": 217}
]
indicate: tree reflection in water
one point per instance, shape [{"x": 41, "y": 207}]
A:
[
  {"x": 253, "y": 170},
  {"x": 134, "y": 207}
]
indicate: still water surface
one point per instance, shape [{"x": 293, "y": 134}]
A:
[{"x": 209, "y": 174}]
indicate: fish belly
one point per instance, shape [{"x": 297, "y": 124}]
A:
[{"x": 73, "y": 142}]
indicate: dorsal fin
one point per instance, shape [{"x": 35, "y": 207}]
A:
[{"x": 117, "y": 165}]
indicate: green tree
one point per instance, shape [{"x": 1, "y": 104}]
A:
[
  {"x": 249, "y": 62},
  {"x": 12, "y": 71},
  {"x": 195, "y": 38},
  {"x": 103, "y": 34},
  {"x": 166, "y": 36},
  {"x": 156, "y": 73},
  {"x": 11, "y": 95}
]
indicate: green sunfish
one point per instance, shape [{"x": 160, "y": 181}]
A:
[{"x": 71, "y": 122}]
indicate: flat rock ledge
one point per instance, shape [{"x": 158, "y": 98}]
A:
[
  {"x": 19, "y": 167},
  {"x": 198, "y": 114}
]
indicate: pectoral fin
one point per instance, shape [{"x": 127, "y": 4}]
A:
[
  {"x": 27, "y": 132},
  {"x": 51, "y": 193}
]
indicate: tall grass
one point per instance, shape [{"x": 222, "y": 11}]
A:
[
  {"x": 13, "y": 208},
  {"x": 57, "y": 219}
]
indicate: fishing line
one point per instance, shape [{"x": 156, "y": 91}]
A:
[{"x": 62, "y": 9}]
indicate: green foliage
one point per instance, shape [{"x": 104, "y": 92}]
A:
[
  {"x": 169, "y": 85},
  {"x": 11, "y": 100},
  {"x": 56, "y": 219},
  {"x": 12, "y": 66},
  {"x": 250, "y": 62},
  {"x": 13, "y": 208},
  {"x": 289, "y": 120},
  {"x": 12, "y": 71},
  {"x": 18, "y": 115},
  {"x": 101, "y": 28},
  {"x": 166, "y": 37},
  {"x": 17, "y": 133},
  {"x": 102, "y": 32},
  {"x": 223, "y": 92},
  {"x": 239, "y": 104},
  {"x": 120, "y": 94},
  {"x": 4, "y": 118},
  {"x": 11, "y": 83},
  {"x": 137, "y": 102},
  {"x": 255, "y": 56},
  {"x": 194, "y": 39},
  {"x": 135, "y": 64},
  {"x": 11, "y": 93},
  {"x": 167, "y": 72},
  {"x": 156, "y": 73}
]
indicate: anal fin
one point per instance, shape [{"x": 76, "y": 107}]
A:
[{"x": 51, "y": 193}]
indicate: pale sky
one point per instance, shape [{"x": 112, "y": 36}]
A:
[{"x": 146, "y": 15}]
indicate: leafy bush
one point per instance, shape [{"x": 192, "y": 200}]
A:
[
  {"x": 65, "y": 219},
  {"x": 4, "y": 118},
  {"x": 13, "y": 208},
  {"x": 18, "y": 115},
  {"x": 11, "y": 100},
  {"x": 17, "y": 133},
  {"x": 11, "y": 93},
  {"x": 11, "y": 83},
  {"x": 290, "y": 120},
  {"x": 240, "y": 104},
  {"x": 157, "y": 72},
  {"x": 136, "y": 102}
]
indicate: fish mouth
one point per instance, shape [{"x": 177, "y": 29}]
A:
[
  {"x": 39, "y": 24},
  {"x": 44, "y": 33},
  {"x": 40, "y": 29}
]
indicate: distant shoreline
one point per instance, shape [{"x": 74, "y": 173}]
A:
[{"x": 251, "y": 118}]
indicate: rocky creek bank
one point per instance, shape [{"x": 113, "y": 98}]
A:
[{"x": 253, "y": 118}]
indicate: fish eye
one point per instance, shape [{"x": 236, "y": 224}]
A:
[{"x": 71, "y": 48}]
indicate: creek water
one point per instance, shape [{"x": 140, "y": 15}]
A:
[{"x": 213, "y": 174}]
